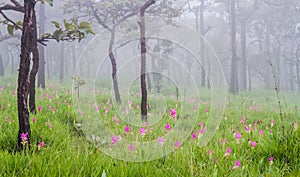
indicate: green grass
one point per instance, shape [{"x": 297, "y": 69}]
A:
[{"x": 68, "y": 153}]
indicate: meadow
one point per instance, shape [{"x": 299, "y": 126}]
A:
[{"x": 252, "y": 139}]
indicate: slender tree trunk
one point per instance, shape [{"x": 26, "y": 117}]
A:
[
  {"x": 41, "y": 71},
  {"x": 203, "y": 73},
  {"x": 234, "y": 66},
  {"x": 249, "y": 78},
  {"x": 12, "y": 63},
  {"x": 298, "y": 66},
  {"x": 1, "y": 67},
  {"x": 35, "y": 67},
  {"x": 143, "y": 59},
  {"x": 23, "y": 83},
  {"x": 62, "y": 63},
  {"x": 244, "y": 56},
  {"x": 114, "y": 66}
]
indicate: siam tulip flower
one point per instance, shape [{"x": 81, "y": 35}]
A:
[
  {"x": 271, "y": 132},
  {"x": 137, "y": 106},
  {"x": 23, "y": 136},
  {"x": 271, "y": 159},
  {"x": 201, "y": 124},
  {"x": 127, "y": 129},
  {"x": 237, "y": 165},
  {"x": 228, "y": 152},
  {"x": 129, "y": 103},
  {"x": 261, "y": 133},
  {"x": 173, "y": 112},
  {"x": 41, "y": 144},
  {"x": 51, "y": 126},
  {"x": 210, "y": 152},
  {"x": 194, "y": 136},
  {"x": 247, "y": 128},
  {"x": 243, "y": 119},
  {"x": 253, "y": 144},
  {"x": 165, "y": 112},
  {"x": 161, "y": 140},
  {"x": 167, "y": 127},
  {"x": 272, "y": 123},
  {"x": 206, "y": 110},
  {"x": 223, "y": 141},
  {"x": 142, "y": 132},
  {"x": 215, "y": 160},
  {"x": 238, "y": 136},
  {"x": 295, "y": 126},
  {"x": 33, "y": 119},
  {"x": 114, "y": 139},
  {"x": 131, "y": 147},
  {"x": 117, "y": 121},
  {"x": 177, "y": 144},
  {"x": 39, "y": 108}
]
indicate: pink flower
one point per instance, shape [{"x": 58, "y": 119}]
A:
[
  {"x": 41, "y": 144},
  {"x": 253, "y": 144},
  {"x": 39, "y": 108},
  {"x": 131, "y": 147},
  {"x": 114, "y": 139},
  {"x": 224, "y": 141},
  {"x": 295, "y": 125},
  {"x": 51, "y": 126},
  {"x": 238, "y": 136},
  {"x": 117, "y": 121},
  {"x": 201, "y": 124},
  {"x": 228, "y": 152},
  {"x": 271, "y": 160},
  {"x": 194, "y": 136},
  {"x": 127, "y": 129},
  {"x": 243, "y": 119},
  {"x": 23, "y": 136},
  {"x": 142, "y": 131},
  {"x": 206, "y": 110},
  {"x": 210, "y": 152},
  {"x": 167, "y": 127},
  {"x": 247, "y": 128},
  {"x": 177, "y": 144},
  {"x": 173, "y": 112},
  {"x": 237, "y": 165},
  {"x": 161, "y": 140},
  {"x": 272, "y": 123},
  {"x": 261, "y": 133},
  {"x": 33, "y": 119},
  {"x": 215, "y": 160}
]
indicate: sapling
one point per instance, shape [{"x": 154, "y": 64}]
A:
[{"x": 78, "y": 83}]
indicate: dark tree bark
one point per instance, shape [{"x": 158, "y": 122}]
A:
[
  {"x": 143, "y": 59},
  {"x": 62, "y": 63},
  {"x": 234, "y": 66},
  {"x": 35, "y": 67},
  {"x": 23, "y": 83},
  {"x": 114, "y": 65},
  {"x": 41, "y": 71},
  {"x": 1, "y": 67}
]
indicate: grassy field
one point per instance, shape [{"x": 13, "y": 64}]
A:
[{"x": 252, "y": 140}]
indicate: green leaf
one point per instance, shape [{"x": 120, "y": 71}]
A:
[
  {"x": 83, "y": 25},
  {"x": 69, "y": 26},
  {"x": 58, "y": 34},
  {"x": 56, "y": 24},
  {"x": 10, "y": 29}
]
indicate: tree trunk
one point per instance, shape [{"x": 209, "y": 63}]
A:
[
  {"x": 203, "y": 74},
  {"x": 114, "y": 66},
  {"x": 62, "y": 62},
  {"x": 35, "y": 67},
  {"x": 298, "y": 66},
  {"x": 234, "y": 66},
  {"x": 249, "y": 78},
  {"x": 41, "y": 71},
  {"x": 1, "y": 67},
  {"x": 244, "y": 56},
  {"x": 143, "y": 59},
  {"x": 23, "y": 83}
]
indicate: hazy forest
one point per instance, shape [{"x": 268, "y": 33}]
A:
[{"x": 150, "y": 88}]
